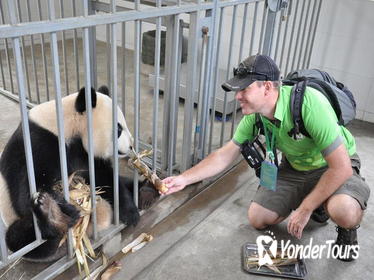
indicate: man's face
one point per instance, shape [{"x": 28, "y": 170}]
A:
[{"x": 251, "y": 99}]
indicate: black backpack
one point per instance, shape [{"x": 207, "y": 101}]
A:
[{"x": 339, "y": 96}]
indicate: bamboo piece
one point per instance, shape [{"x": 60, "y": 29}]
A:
[
  {"x": 138, "y": 243},
  {"x": 136, "y": 161}
]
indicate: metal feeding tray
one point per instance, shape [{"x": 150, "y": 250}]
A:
[{"x": 295, "y": 271}]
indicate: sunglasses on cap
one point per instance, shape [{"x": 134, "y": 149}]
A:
[{"x": 243, "y": 71}]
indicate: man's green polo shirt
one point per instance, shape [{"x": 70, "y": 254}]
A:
[{"x": 320, "y": 121}]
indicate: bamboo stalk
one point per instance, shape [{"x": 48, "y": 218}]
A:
[{"x": 136, "y": 161}]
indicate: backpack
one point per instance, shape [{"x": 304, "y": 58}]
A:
[{"x": 339, "y": 96}]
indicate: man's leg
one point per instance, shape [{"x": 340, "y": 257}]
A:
[
  {"x": 259, "y": 217},
  {"x": 344, "y": 210},
  {"x": 346, "y": 207}
]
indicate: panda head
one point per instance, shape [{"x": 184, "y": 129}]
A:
[
  {"x": 102, "y": 124},
  {"x": 75, "y": 122}
]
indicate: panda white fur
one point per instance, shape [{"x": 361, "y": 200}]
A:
[{"x": 54, "y": 214}]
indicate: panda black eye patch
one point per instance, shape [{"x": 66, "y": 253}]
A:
[{"x": 119, "y": 129}]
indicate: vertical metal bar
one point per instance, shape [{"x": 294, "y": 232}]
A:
[
  {"x": 156, "y": 88},
  {"x": 24, "y": 55},
  {"x": 178, "y": 88},
  {"x": 136, "y": 97},
  {"x": 60, "y": 117},
  {"x": 168, "y": 72},
  {"x": 33, "y": 54},
  {"x": 173, "y": 91},
  {"x": 93, "y": 56},
  {"x": 91, "y": 163},
  {"x": 239, "y": 59},
  {"x": 108, "y": 59},
  {"x": 289, "y": 9},
  {"x": 191, "y": 81},
  {"x": 214, "y": 83},
  {"x": 281, "y": 17},
  {"x": 303, "y": 35},
  {"x": 123, "y": 73},
  {"x": 228, "y": 71},
  {"x": 309, "y": 33},
  {"x": 67, "y": 91},
  {"x": 7, "y": 56},
  {"x": 44, "y": 57},
  {"x": 211, "y": 68},
  {"x": 113, "y": 83},
  {"x": 263, "y": 21},
  {"x": 23, "y": 109},
  {"x": 198, "y": 128},
  {"x": 269, "y": 32},
  {"x": 314, "y": 34},
  {"x": 298, "y": 35},
  {"x": 291, "y": 36},
  {"x": 253, "y": 32},
  {"x": 75, "y": 46},
  {"x": 2, "y": 71},
  {"x": 3, "y": 246}
]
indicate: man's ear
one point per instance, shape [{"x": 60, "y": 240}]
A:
[{"x": 80, "y": 102}]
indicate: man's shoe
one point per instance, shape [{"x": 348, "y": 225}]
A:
[
  {"x": 347, "y": 241},
  {"x": 319, "y": 215}
]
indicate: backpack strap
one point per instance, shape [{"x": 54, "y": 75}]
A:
[{"x": 296, "y": 102}]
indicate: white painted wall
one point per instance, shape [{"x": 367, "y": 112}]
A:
[{"x": 344, "y": 46}]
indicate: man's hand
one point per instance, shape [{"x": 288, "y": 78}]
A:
[
  {"x": 298, "y": 220},
  {"x": 175, "y": 183}
]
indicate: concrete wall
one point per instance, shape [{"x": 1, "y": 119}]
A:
[{"x": 344, "y": 47}]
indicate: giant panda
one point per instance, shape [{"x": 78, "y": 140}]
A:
[{"x": 54, "y": 214}]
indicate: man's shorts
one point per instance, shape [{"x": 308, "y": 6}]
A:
[{"x": 293, "y": 186}]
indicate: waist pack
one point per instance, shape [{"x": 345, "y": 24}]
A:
[{"x": 339, "y": 96}]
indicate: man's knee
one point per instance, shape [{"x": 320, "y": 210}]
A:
[
  {"x": 344, "y": 210},
  {"x": 260, "y": 217}
]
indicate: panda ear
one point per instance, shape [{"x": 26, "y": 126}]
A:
[
  {"x": 80, "y": 102},
  {"x": 104, "y": 90}
]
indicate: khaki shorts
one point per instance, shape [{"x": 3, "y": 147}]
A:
[{"x": 293, "y": 186}]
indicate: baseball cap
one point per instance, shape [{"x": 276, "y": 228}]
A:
[{"x": 254, "y": 68}]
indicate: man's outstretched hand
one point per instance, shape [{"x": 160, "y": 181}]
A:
[{"x": 174, "y": 183}]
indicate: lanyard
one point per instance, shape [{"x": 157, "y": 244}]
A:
[{"x": 269, "y": 144}]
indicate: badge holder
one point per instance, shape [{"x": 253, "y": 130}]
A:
[{"x": 269, "y": 170}]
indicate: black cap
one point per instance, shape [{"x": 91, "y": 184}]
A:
[{"x": 254, "y": 68}]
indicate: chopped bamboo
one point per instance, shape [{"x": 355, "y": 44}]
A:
[
  {"x": 80, "y": 197},
  {"x": 138, "y": 243},
  {"x": 136, "y": 162}
]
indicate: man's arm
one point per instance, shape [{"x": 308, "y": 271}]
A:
[
  {"x": 213, "y": 164},
  {"x": 338, "y": 171}
]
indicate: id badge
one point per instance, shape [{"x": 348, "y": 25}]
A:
[{"x": 269, "y": 172}]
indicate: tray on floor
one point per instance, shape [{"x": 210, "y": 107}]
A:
[{"x": 295, "y": 271}]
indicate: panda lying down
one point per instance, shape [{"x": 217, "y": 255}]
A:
[{"x": 54, "y": 214}]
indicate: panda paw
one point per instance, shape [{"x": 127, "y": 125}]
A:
[
  {"x": 130, "y": 216},
  {"x": 52, "y": 220},
  {"x": 147, "y": 196}
]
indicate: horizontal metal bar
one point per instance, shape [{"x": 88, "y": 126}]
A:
[
  {"x": 14, "y": 97},
  {"x": 24, "y": 250},
  {"x": 31, "y": 28}
]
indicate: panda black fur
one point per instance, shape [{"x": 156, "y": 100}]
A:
[{"x": 54, "y": 214}]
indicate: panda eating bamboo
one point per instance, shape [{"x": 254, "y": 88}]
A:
[{"x": 54, "y": 214}]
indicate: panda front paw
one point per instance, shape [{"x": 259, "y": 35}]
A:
[
  {"x": 130, "y": 216},
  {"x": 52, "y": 220}
]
